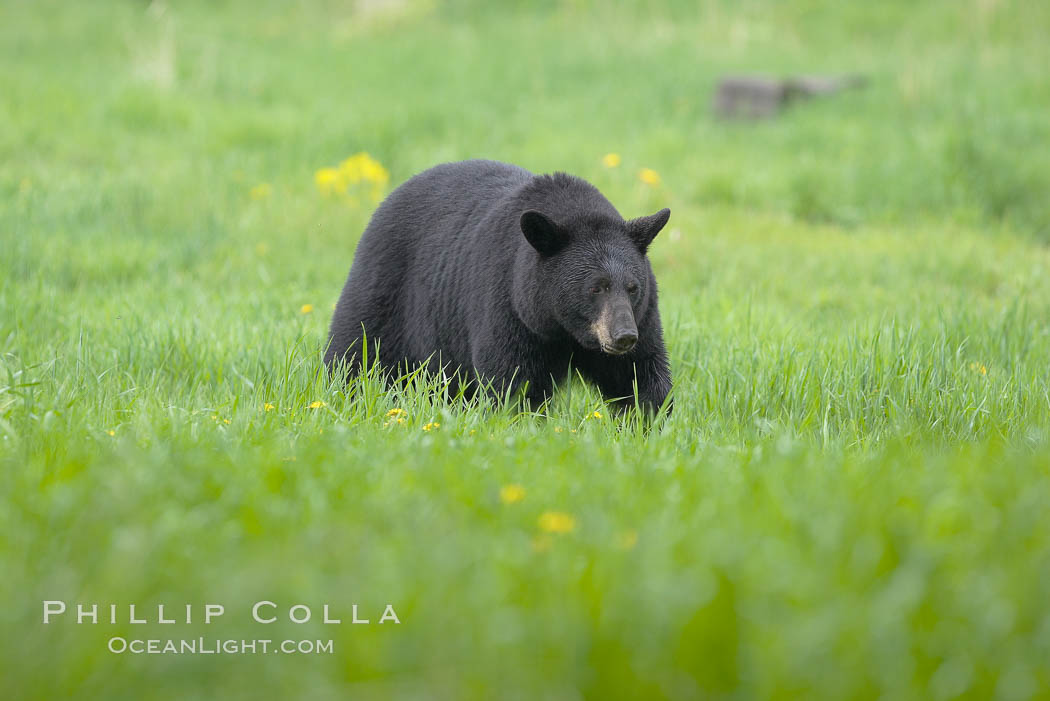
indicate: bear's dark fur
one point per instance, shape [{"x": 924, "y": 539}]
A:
[{"x": 499, "y": 274}]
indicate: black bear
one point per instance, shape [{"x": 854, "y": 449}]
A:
[{"x": 503, "y": 276}]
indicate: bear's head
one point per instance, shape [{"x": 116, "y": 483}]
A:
[{"x": 592, "y": 276}]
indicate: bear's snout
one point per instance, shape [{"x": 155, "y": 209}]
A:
[
  {"x": 624, "y": 341},
  {"x": 615, "y": 328}
]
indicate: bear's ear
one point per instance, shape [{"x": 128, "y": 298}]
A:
[
  {"x": 545, "y": 235},
  {"x": 644, "y": 229}
]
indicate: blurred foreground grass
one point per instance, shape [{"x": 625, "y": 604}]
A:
[{"x": 849, "y": 500}]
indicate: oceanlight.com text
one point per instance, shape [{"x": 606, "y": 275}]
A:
[{"x": 214, "y": 646}]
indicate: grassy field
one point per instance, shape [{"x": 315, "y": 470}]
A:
[{"x": 850, "y": 500}]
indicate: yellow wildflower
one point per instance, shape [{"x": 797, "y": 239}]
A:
[
  {"x": 329, "y": 181},
  {"x": 357, "y": 169},
  {"x": 649, "y": 177},
  {"x": 362, "y": 167},
  {"x": 350, "y": 170},
  {"x": 511, "y": 494},
  {"x": 596, "y": 415},
  {"x": 556, "y": 522},
  {"x": 611, "y": 160},
  {"x": 979, "y": 368},
  {"x": 267, "y": 406},
  {"x": 557, "y": 429},
  {"x": 111, "y": 432},
  {"x": 226, "y": 421},
  {"x": 306, "y": 309},
  {"x": 393, "y": 413},
  {"x": 317, "y": 404},
  {"x": 374, "y": 172},
  {"x": 432, "y": 426},
  {"x": 261, "y": 191}
]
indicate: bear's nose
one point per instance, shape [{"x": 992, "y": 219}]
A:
[{"x": 624, "y": 341}]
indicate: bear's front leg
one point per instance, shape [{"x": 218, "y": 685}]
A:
[
  {"x": 505, "y": 373},
  {"x": 505, "y": 383},
  {"x": 616, "y": 378},
  {"x": 654, "y": 384}
]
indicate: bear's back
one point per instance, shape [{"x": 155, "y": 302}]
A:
[{"x": 428, "y": 250}]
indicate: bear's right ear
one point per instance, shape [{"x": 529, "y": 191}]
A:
[
  {"x": 545, "y": 235},
  {"x": 644, "y": 229}
]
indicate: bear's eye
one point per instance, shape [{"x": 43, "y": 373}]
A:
[
  {"x": 596, "y": 290},
  {"x": 632, "y": 289}
]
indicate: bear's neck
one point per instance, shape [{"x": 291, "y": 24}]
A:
[{"x": 529, "y": 298}]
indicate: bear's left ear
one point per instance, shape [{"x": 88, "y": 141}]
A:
[
  {"x": 644, "y": 229},
  {"x": 545, "y": 235}
]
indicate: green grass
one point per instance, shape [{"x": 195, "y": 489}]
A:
[{"x": 848, "y": 502}]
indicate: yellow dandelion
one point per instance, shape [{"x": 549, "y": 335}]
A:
[
  {"x": 433, "y": 426},
  {"x": 394, "y": 413},
  {"x": 306, "y": 309},
  {"x": 596, "y": 415},
  {"x": 358, "y": 169},
  {"x": 979, "y": 368},
  {"x": 350, "y": 169},
  {"x": 329, "y": 181},
  {"x": 111, "y": 432},
  {"x": 558, "y": 429},
  {"x": 373, "y": 171},
  {"x": 317, "y": 404},
  {"x": 627, "y": 540},
  {"x": 473, "y": 431},
  {"x": 226, "y": 421},
  {"x": 511, "y": 493},
  {"x": 649, "y": 177},
  {"x": 611, "y": 160},
  {"x": 268, "y": 407},
  {"x": 261, "y": 191},
  {"x": 556, "y": 522},
  {"x": 362, "y": 167}
]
